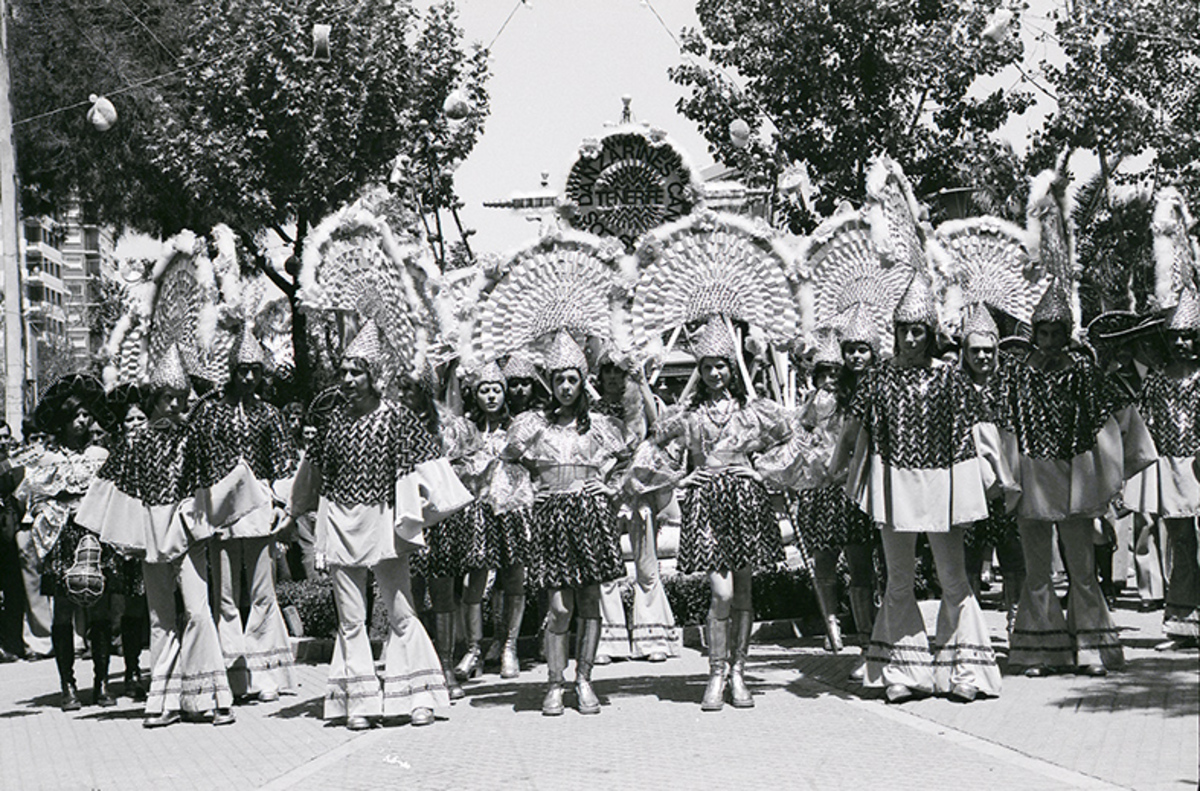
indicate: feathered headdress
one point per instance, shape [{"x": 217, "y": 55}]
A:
[
  {"x": 829, "y": 351},
  {"x": 713, "y": 265},
  {"x": 850, "y": 281},
  {"x": 568, "y": 281},
  {"x": 977, "y": 320},
  {"x": 1050, "y": 240},
  {"x": 983, "y": 260},
  {"x": 1176, "y": 259},
  {"x": 894, "y": 215}
]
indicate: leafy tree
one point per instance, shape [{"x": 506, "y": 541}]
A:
[
  {"x": 225, "y": 115},
  {"x": 841, "y": 80}
]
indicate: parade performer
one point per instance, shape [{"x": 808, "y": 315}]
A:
[
  {"x": 1079, "y": 441},
  {"x": 139, "y": 504},
  {"x": 79, "y": 572},
  {"x": 728, "y": 528},
  {"x": 490, "y": 534},
  {"x": 571, "y": 452},
  {"x": 238, "y": 446},
  {"x": 652, "y": 635},
  {"x": 916, "y": 426},
  {"x": 980, "y": 358},
  {"x": 1169, "y": 489},
  {"x": 818, "y": 509},
  {"x": 363, "y": 475}
]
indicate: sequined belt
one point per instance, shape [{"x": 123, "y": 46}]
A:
[{"x": 566, "y": 477}]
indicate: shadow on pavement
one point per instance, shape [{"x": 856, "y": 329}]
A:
[
  {"x": 1159, "y": 683},
  {"x": 310, "y": 708}
]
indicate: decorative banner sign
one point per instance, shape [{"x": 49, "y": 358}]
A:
[{"x": 628, "y": 182}]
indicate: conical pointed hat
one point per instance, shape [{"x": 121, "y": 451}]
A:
[
  {"x": 829, "y": 352},
  {"x": 489, "y": 374},
  {"x": 170, "y": 373},
  {"x": 978, "y": 321},
  {"x": 565, "y": 353},
  {"x": 916, "y": 305},
  {"x": 1053, "y": 307},
  {"x": 861, "y": 326},
  {"x": 1186, "y": 314},
  {"x": 714, "y": 340},
  {"x": 249, "y": 350},
  {"x": 367, "y": 347},
  {"x": 519, "y": 367}
]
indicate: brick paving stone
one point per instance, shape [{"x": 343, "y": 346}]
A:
[{"x": 811, "y": 729}]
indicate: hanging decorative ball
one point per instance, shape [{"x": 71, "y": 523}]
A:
[
  {"x": 739, "y": 133},
  {"x": 102, "y": 114},
  {"x": 457, "y": 106},
  {"x": 320, "y": 34}
]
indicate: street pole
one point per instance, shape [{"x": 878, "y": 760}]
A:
[{"x": 10, "y": 264}]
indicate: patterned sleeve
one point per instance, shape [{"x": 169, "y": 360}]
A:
[
  {"x": 774, "y": 423},
  {"x": 194, "y": 474},
  {"x": 120, "y": 466},
  {"x": 414, "y": 443},
  {"x": 283, "y": 450},
  {"x": 860, "y": 402},
  {"x": 673, "y": 423},
  {"x": 460, "y": 437},
  {"x": 522, "y": 433}
]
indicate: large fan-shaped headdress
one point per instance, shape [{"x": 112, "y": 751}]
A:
[
  {"x": 353, "y": 265},
  {"x": 1176, "y": 257},
  {"x": 175, "y": 305},
  {"x": 565, "y": 281},
  {"x": 709, "y": 265},
  {"x": 983, "y": 261},
  {"x": 847, "y": 271}
]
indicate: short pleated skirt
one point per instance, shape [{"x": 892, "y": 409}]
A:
[
  {"x": 728, "y": 524},
  {"x": 477, "y": 538},
  {"x": 575, "y": 541},
  {"x": 820, "y": 517}
]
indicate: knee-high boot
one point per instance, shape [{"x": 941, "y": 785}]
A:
[
  {"x": 514, "y": 612},
  {"x": 589, "y": 642},
  {"x": 718, "y": 664},
  {"x": 444, "y": 628},
  {"x": 131, "y": 649},
  {"x": 740, "y": 626},
  {"x": 62, "y": 638},
  {"x": 100, "y": 636},
  {"x": 556, "y": 665},
  {"x": 470, "y": 664},
  {"x": 827, "y": 598}
]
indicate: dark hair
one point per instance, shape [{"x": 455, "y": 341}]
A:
[
  {"x": 582, "y": 408},
  {"x": 418, "y": 396},
  {"x": 66, "y": 413},
  {"x": 479, "y": 417},
  {"x": 538, "y": 398},
  {"x": 737, "y": 388}
]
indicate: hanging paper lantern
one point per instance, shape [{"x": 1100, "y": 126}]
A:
[
  {"x": 457, "y": 106},
  {"x": 320, "y": 35},
  {"x": 102, "y": 114},
  {"x": 739, "y": 133}
]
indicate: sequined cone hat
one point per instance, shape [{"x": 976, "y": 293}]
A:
[
  {"x": 916, "y": 305},
  {"x": 714, "y": 340},
  {"x": 828, "y": 352},
  {"x": 978, "y": 321},
  {"x": 367, "y": 347},
  {"x": 565, "y": 353},
  {"x": 249, "y": 350},
  {"x": 861, "y": 327},
  {"x": 519, "y": 367},
  {"x": 170, "y": 373},
  {"x": 1186, "y": 314},
  {"x": 488, "y": 374},
  {"x": 1053, "y": 307}
]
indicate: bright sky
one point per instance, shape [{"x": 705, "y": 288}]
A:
[{"x": 559, "y": 70}]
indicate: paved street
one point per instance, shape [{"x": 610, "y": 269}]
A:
[{"x": 810, "y": 729}]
